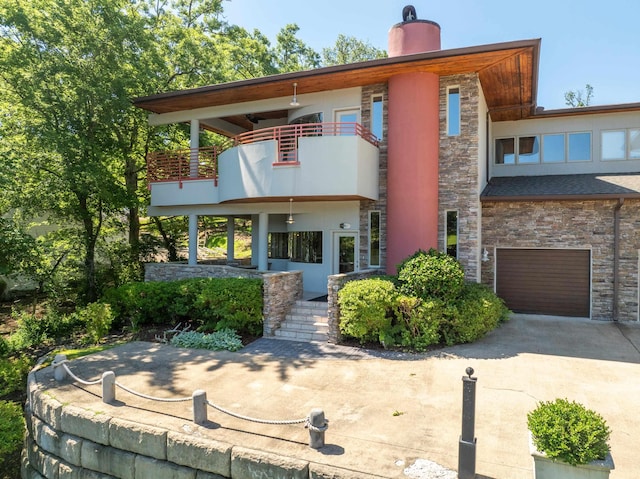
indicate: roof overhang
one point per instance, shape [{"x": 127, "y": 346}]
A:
[{"x": 507, "y": 71}]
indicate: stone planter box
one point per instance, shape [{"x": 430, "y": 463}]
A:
[{"x": 545, "y": 468}]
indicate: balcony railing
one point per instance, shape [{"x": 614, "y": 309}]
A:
[
  {"x": 202, "y": 163},
  {"x": 183, "y": 165},
  {"x": 287, "y": 136}
]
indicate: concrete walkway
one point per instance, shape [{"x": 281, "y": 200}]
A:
[{"x": 386, "y": 410}]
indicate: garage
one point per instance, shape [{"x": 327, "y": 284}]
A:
[{"x": 554, "y": 282}]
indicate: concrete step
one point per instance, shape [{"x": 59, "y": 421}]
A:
[
  {"x": 307, "y": 321},
  {"x": 300, "y": 335},
  {"x": 304, "y": 326}
]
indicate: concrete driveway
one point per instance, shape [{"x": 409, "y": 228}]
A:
[{"x": 387, "y": 410}]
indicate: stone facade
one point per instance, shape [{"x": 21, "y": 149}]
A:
[
  {"x": 573, "y": 224},
  {"x": 280, "y": 289},
  {"x": 459, "y": 172},
  {"x": 381, "y": 204}
]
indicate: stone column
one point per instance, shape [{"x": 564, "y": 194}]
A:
[
  {"x": 193, "y": 239},
  {"x": 230, "y": 239},
  {"x": 263, "y": 241}
]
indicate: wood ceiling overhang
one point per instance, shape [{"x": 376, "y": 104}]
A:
[{"x": 508, "y": 73}]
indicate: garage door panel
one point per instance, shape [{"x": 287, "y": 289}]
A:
[{"x": 544, "y": 281}]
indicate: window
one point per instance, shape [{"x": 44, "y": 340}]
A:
[
  {"x": 528, "y": 149},
  {"x": 374, "y": 238},
  {"x": 553, "y": 148},
  {"x": 377, "y": 117},
  {"x": 451, "y": 238},
  {"x": 279, "y": 245},
  {"x": 453, "y": 111},
  {"x": 506, "y": 151},
  {"x": 579, "y": 146},
  {"x": 306, "y": 246},
  {"x": 621, "y": 144}
]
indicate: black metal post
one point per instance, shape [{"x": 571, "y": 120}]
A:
[{"x": 467, "y": 443}]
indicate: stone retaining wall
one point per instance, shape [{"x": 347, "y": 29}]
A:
[
  {"x": 65, "y": 441},
  {"x": 280, "y": 289}
]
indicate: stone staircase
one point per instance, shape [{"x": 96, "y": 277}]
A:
[{"x": 307, "y": 321}]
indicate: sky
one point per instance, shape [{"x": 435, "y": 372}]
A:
[{"x": 594, "y": 42}]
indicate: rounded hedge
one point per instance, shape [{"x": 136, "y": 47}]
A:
[
  {"x": 431, "y": 274},
  {"x": 568, "y": 431}
]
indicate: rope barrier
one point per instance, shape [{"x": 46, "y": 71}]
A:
[
  {"x": 261, "y": 421},
  {"x": 306, "y": 421},
  {"x": 152, "y": 398}
]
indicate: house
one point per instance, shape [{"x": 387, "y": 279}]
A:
[{"x": 354, "y": 167}]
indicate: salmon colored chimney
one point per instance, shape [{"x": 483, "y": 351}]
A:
[{"x": 413, "y": 144}]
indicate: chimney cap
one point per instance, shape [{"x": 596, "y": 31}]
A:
[{"x": 409, "y": 13}]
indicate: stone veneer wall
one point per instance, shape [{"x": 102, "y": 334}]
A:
[
  {"x": 458, "y": 185},
  {"x": 280, "y": 289},
  {"x": 381, "y": 204},
  {"x": 572, "y": 224},
  {"x": 65, "y": 441},
  {"x": 334, "y": 284}
]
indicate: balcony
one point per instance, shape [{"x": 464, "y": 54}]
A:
[{"x": 319, "y": 160}]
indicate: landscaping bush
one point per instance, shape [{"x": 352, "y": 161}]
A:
[
  {"x": 568, "y": 431},
  {"x": 214, "y": 303},
  {"x": 231, "y": 303},
  {"x": 419, "y": 321},
  {"x": 476, "y": 312},
  {"x": 431, "y": 275},
  {"x": 33, "y": 331},
  {"x": 366, "y": 309},
  {"x": 13, "y": 374},
  {"x": 225, "y": 339},
  {"x": 97, "y": 319},
  {"x": 12, "y": 427}
]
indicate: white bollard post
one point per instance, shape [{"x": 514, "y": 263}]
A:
[
  {"x": 317, "y": 426},
  {"x": 59, "y": 373},
  {"x": 108, "y": 387},
  {"x": 199, "y": 406}
]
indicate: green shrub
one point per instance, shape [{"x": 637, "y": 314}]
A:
[
  {"x": 33, "y": 331},
  {"x": 366, "y": 309},
  {"x": 215, "y": 303},
  {"x": 12, "y": 427},
  {"x": 568, "y": 431},
  {"x": 97, "y": 319},
  {"x": 231, "y": 303},
  {"x": 476, "y": 312},
  {"x": 13, "y": 374},
  {"x": 3, "y": 287},
  {"x": 419, "y": 320},
  {"x": 225, "y": 339},
  {"x": 431, "y": 275}
]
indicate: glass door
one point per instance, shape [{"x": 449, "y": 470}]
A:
[
  {"x": 344, "y": 252},
  {"x": 346, "y": 121}
]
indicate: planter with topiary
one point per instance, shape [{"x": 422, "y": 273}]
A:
[{"x": 568, "y": 441}]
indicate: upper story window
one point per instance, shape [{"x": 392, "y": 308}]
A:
[
  {"x": 377, "y": 117},
  {"x": 621, "y": 144},
  {"x": 453, "y": 111},
  {"x": 547, "y": 148}
]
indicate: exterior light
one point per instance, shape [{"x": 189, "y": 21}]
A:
[
  {"x": 294, "y": 100},
  {"x": 485, "y": 256},
  {"x": 290, "y": 219}
]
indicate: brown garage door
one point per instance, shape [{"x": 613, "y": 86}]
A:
[{"x": 544, "y": 281}]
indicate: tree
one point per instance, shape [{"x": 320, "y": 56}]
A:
[
  {"x": 349, "y": 49},
  {"x": 579, "y": 98}
]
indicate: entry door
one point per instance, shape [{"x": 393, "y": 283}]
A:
[
  {"x": 350, "y": 117},
  {"x": 344, "y": 252}
]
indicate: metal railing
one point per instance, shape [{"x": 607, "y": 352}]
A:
[
  {"x": 202, "y": 163},
  {"x": 287, "y": 136},
  {"x": 183, "y": 165}
]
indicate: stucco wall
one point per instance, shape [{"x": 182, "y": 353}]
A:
[{"x": 572, "y": 224}]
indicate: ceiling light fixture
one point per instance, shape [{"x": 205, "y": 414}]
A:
[
  {"x": 290, "y": 219},
  {"x": 294, "y": 100}
]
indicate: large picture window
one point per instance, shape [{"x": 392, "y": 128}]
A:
[
  {"x": 621, "y": 144},
  {"x": 279, "y": 245},
  {"x": 306, "y": 246}
]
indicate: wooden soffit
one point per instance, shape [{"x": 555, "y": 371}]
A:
[{"x": 507, "y": 71}]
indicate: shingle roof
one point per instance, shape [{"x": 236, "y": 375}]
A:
[{"x": 562, "y": 187}]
